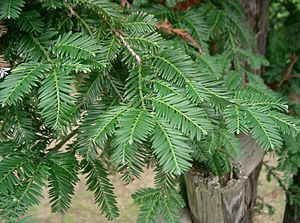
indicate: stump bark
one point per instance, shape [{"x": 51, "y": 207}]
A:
[{"x": 211, "y": 201}]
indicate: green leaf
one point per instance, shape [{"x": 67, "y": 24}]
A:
[
  {"x": 173, "y": 154},
  {"x": 76, "y": 46},
  {"x": 173, "y": 65},
  {"x": 31, "y": 189},
  {"x": 235, "y": 119},
  {"x": 254, "y": 60},
  {"x": 149, "y": 212},
  {"x": 286, "y": 123},
  {"x": 169, "y": 211},
  {"x": 148, "y": 199},
  {"x": 134, "y": 127},
  {"x": 9, "y": 166},
  {"x": 135, "y": 87},
  {"x": 176, "y": 67},
  {"x": 183, "y": 115},
  {"x": 233, "y": 80},
  {"x": 103, "y": 127},
  {"x": 239, "y": 28},
  {"x": 10, "y": 9},
  {"x": 62, "y": 179},
  {"x": 7, "y": 147},
  {"x": 257, "y": 85},
  {"x": 98, "y": 182},
  {"x": 165, "y": 181},
  {"x": 53, "y": 4},
  {"x": 197, "y": 27},
  {"x": 231, "y": 144},
  {"x": 145, "y": 41},
  {"x": 35, "y": 48},
  {"x": 210, "y": 65},
  {"x": 55, "y": 99},
  {"x": 133, "y": 130},
  {"x": 255, "y": 99},
  {"x": 140, "y": 22},
  {"x": 110, "y": 48},
  {"x": 264, "y": 129},
  {"x": 21, "y": 81},
  {"x": 24, "y": 130},
  {"x": 30, "y": 21},
  {"x": 90, "y": 89},
  {"x": 108, "y": 11},
  {"x": 145, "y": 194},
  {"x": 106, "y": 124},
  {"x": 154, "y": 202}
]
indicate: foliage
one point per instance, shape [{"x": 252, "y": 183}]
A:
[{"x": 130, "y": 93}]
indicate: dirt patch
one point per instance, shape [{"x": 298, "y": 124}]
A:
[
  {"x": 272, "y": 194},
  {"x": 83, "y": 209}
]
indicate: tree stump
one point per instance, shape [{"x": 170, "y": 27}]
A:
[{"x": 213, "y": 201}]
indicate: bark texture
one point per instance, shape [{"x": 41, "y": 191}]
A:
[
  {"x": 257, "y": 15},
  {"x": 212, "y": 202}
]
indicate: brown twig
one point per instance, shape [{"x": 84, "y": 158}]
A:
[
  {"x": 287, "y": 74},
  {"x": 65, "y": 140},
  {"x": 126, "y": 44},
  {"x": 125, "y": 3},
  {"x": 294, "y": 76},
  {"x": 167, "y": 27}
]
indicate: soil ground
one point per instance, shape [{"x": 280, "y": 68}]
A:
[{"x": 83, "y": 209}]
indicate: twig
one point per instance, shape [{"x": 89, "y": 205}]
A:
[
  {"x": 65, "y": 140},
  {"x": 287, "y": 74},
  {"x": 167, "y": 27},
  {"x": 294, "y": 76},
  {"x": 75, "y": 14},
  {"x": 125, "y": 3},
  {"x": 126, "y": 44}
]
